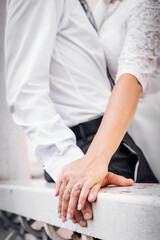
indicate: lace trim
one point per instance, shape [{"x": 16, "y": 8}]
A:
[{"x": 142, "y": 45}]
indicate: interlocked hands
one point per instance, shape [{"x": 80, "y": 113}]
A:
[{"x": 79, "y": 184}]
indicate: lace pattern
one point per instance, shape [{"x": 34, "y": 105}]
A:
[{"x": 142, "y": 43}]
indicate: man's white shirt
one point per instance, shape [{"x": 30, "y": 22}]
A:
[{"x": 55, "y": 75}]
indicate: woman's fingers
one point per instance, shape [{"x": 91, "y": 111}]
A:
[
  {"x": 78, "y": 176},
  {"x": 61, "y": 192},
  {"x": 73, "y": 200},
  {"x": 74, "y": 196},
  {"x": 87, "y": 211},
  {"x": 58, "y": 185},
  {"x": 65, "y": 202},
  {"x": 118, "y": 180},
  {"x": 84, "y": 194},
  {"x": 82, "y": 174},
  {"x": 94, "y": 192}
]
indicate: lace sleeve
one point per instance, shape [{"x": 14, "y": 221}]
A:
[{"x": 141, "y": 49}]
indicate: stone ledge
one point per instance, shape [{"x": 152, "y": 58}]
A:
[{"x": 120, "y": 213}]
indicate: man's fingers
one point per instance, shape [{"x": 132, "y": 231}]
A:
[
  {"x": 111, "y": 178},
  {"x": 93, "y": 193},
  {"x": 119, "y": 180},
  {"x": 80, "y": 219},
  {"x": 74, "y": 220},
  {"x": 113, "y": 1},
  {"x": 87, "y": 211}
]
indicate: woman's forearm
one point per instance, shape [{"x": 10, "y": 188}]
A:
[
  {"x": 91, "y": 170},
  {"x": 117, "y": 118}
]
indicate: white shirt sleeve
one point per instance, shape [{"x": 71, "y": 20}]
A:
[
  {"x": 30, "y": 36},
  {"x": 141, "y": 48}
]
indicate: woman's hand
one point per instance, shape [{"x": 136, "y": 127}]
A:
[
  {"x": 75, "y": 182},
  {"x": 78, "y": 177},
  {"x": 86, "y": 214},
  {"x": 81, "y": 217}
]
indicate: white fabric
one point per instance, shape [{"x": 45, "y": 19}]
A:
[
  {"x": 130, "y": 33},
  {"x": 55, "y": 75}
]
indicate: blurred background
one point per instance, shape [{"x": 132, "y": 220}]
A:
[{"x": 16, "y": 158}]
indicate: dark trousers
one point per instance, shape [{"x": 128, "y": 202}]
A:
[{"x": 122, "y": 163}]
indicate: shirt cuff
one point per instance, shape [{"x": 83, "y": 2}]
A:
[{"x": 54, "y": 166}]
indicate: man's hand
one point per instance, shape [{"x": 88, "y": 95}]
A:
[
  {"x": 110, "y": 179},
  {"x": 81, "y": 217}
]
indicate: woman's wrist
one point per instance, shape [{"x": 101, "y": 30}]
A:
[{"x": 98, "y": 154}]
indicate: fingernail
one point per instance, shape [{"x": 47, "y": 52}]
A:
[
  {"x": 79, "y": 207},
  {"x": 74, "y": 221},
  {"x": 60, "y": 215},
  {"x": 131, "y": 179},
  {"x": 82, "y": 223},
  {"x": 68, "y": 216},
  {"x": 90, "y": 198},
  {"x": 63, "y": 219},
  {"x": 87, "y": 216}
]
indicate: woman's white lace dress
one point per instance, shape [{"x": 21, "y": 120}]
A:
[{"x": 130, "y": 32}]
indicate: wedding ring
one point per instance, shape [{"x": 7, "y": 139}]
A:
[
  {"x": 68, "y": 191},
  {"x": 77, "y": 188}
]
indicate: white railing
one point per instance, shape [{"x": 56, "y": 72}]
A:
[{"x": 120, "y": 213}]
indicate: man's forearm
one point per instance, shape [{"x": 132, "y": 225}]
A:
[{"x": 117, "y": 118}]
